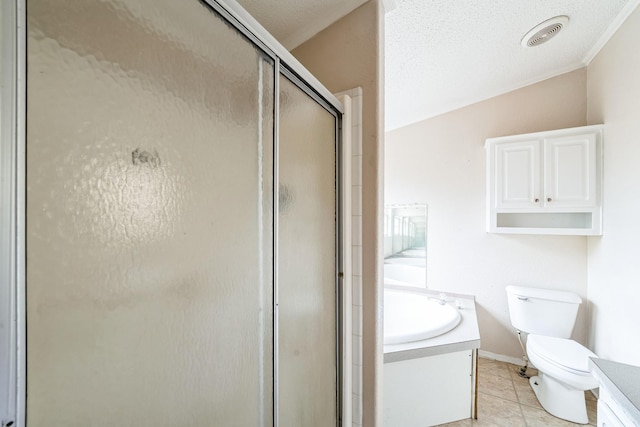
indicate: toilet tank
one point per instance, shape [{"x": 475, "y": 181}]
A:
[{"x": 543, "y": 311}]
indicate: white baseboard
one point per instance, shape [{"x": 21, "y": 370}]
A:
[{"x": 502, "y": 358}]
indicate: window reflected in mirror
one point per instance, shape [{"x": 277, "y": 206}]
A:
[{"x": 405, "y": 245}]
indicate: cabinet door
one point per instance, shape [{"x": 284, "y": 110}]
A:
[
  {"x": 570, "y": 171},
  {"x": 518, "y": 174}
]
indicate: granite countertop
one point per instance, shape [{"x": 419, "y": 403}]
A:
[
  {"x": 622, "y": 381},
  {"x": 465, "y": 336}
]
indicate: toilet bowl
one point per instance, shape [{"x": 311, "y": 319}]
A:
[
  {"x": 548, "y": 317},
  {"x": 563, "y": 377}
]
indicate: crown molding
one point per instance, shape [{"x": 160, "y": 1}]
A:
[{"x": 611, "y": 30}]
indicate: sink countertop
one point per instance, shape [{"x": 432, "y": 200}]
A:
[
  {"x": 465, "y": 336},
  {"x": 622, "y": 381}
]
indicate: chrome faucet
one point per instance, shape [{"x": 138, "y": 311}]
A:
[{"x": 442, "y": 300}]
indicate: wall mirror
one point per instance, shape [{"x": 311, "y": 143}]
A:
[{"x": 405, "y": 245}]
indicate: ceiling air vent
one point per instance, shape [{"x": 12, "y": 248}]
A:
[{"x": 544, "y": 31}]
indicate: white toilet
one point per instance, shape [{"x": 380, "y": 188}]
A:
[{"x": 548, "y": 316}]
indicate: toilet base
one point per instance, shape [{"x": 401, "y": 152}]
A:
[{"x": 560, "y": 400}]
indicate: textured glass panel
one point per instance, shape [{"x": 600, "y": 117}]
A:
[
  {"x": 8, "y": 218},
  {"x": 148, "y": 217},
  {"x": 306, "y": 262}
]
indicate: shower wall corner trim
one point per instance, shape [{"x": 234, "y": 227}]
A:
[
  {"x": 352, "y": 132},
  {"x": 346, "y": 293}
]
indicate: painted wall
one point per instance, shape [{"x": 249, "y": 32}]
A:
[
  {"x": 346, "y": 55},
  {"x": 441, "y": 162},
  {"x": 613, "y": 94}
]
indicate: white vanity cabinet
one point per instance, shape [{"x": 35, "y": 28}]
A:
[
  {"x": 610, "y": 414},
  {"x": 619, "y": 394},
  {"x": 546, "y": 182}
]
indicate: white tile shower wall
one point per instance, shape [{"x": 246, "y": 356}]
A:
[
  {"x": 346, "y": 244},
  {"x": 356, "y": 234}
]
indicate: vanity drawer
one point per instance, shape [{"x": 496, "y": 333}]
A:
[
  {"x": 606, "y": 417},
  {"x": 610, "y": 413}
]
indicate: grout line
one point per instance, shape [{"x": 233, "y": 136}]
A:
[{"x": 524, "y": 420}]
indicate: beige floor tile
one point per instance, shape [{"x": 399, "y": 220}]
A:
[
  {"x": 495, "y": 411},
  {"x": 496, "y": 386},
  {"x": 541, "y": 418},
  {"x": 592, "y": 409},
  {"x": 461, "y": 423},
  {"x": 493, "y": 367},
  {"x": 525, "y": 394},
  {"x": 498, "y": 422},
  {"x": 483, "y": 361}
]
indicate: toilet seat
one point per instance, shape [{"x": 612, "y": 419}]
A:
[
  {"x": 563, "y": 353},
  {"x": 551, "y": 360}
]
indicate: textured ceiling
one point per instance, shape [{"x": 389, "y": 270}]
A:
[
  {"x": 442, "y": 54},
  {"x": 293, "y": 22}
]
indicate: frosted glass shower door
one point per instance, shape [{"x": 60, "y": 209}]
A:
[
  {"x": 149, "y": 217},
  {"x": 307, "y": 336}
]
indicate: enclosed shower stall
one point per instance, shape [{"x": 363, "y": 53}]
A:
[{"x": 182, "y": 221}]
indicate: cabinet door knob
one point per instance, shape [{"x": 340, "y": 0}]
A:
[
  {"x": 549, "y": 199},
  {"x": 536, "y": 200}
]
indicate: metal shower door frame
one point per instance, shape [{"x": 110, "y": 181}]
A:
[
  {"x": 12, "y": 196},
  {"x": 289, "y": 67},
  {"x": 13, "y": 190}
]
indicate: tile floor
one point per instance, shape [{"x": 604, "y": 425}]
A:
[{"x": 506, "y": 399}]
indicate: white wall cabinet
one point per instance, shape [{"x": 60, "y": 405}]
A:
[
  {"x": 517, "y": 171},
  {"x": 546, "y": 182}
]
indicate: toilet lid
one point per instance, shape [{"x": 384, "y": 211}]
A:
[{"x": 563, "y": 352}]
